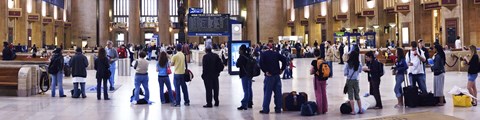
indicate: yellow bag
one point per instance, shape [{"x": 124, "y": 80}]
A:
[{"x": 462, "y": 101}]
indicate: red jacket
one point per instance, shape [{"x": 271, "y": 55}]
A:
[{"x": 122, "y": 53}]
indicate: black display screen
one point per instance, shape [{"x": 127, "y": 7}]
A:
[{"x": 208, "y": 24}]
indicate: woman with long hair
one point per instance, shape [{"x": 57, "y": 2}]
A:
[
  {"x": 473, "y": 70},
  {"x": 352, "y": 71},
  {"x": 162, "y": 68},
  {"x": 101, "y": 66},
  {"x": 401, "y": 69},
  {"x": 438, "y": 69}
]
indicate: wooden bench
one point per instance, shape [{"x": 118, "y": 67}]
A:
[
  {"x": 18, "y": 80},
  {"x": 9, "y": 77}
]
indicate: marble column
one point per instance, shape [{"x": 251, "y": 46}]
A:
[
  {"x": 381, "y": 20},
  {"x": 104, "y": 25},
  {"x": 59, "y": 30},
  {"x": 3, "y": 21},
  {"x": 37, "y": 25},
  {"x": 164, "y": 22},
  {"x": 329, "y": 23},
  {"x": 271, "y": 21},
  {"x": 49, "y": 28},
  {"x": 252, "y": 21},
  {"x": 222, "y": 6},
  {"x": 83, "y": 22},
  {"x": 134, "y": 22},
  {"x": 21, "y": 24}
]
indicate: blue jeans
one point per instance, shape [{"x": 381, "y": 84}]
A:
[
  {"x": 180, "y": 82},
  {"x": 149, "y": 55},
  {"x": 286, "y": 73},
  {"x": 272, "y": 84},
  {"x": 331, "y": 68},
  {"x": 420, "y": 80},
  {"x": 141, "y": 80},
  {"x": 398, "y": 84},
  {"x": 77, "y": 92},
  {"x": 113, "y": 67},
  {"x": 57, "y": 80},
  {"x": 165, "y": 81},
  {"x": 247, "y": 91}
]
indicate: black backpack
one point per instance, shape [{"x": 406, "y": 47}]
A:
[
  {"x": 308, "y": 109},
  {"x": 55, "y": 65},
  {"x": 251, "y": 67}
]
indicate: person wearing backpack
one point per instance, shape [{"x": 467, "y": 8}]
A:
[
  {"x": 416, "y": 70},
  {"x": 286, "y": 53},
  {"x": 375, "y": 71},
  {"x": 352, "y": 70},
  {"x": 321, "y": 72},
  {"x": 270, "y": 65},
  {"x": 400, "y": 68},
  {"x": 79, "y": 64},
  {"x": 246, "y": 75},
  {"x": 438, "y": 69},
  {"x": 473, "y": 69},
  {"x": 211, "y": 71},
  {"x": 55, "y": 68}
]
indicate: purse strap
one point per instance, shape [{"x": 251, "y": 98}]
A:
[{"x": 185, "y": 60}]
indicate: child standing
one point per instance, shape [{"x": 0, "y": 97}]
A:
[{"x": 290, "y": 69}]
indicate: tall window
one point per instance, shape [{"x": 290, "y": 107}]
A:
[
  {"x": 173, "y": 10},
  {"x": 149, "y": 11},
  {"x": 120, "y": 11},
  {"x": 207, "y": 6},
  {"x": 233, "y": 7}
]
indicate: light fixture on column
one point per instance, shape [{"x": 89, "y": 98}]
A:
[
  {"x": 370, "y": 4},
  {"x": 243, "y": 13},
  {"x": 29, "y": 6},
  {"x": 306, "y": 12},
  {"x": 392, "y": 25},
  {"x": 360, "y": 28},
  {"x": 170, "y": 29},
  {"x": 405, "y": 1},
  {"x": 323, "y": 9},
  {"x": 375, "y": 27},
  {"x": 55, "y": 12},
  {"x": 348, "y": 29},
  {"x": 44, "y": 8},
  {"x": 344, "y": 6},
  {"x": 11, "y": 4}
]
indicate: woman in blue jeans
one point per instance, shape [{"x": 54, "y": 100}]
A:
[
  {"x": 246, "y": 79},
  {"x": 163, "y": 79},
  {"x": 401, "y": 68},
  {"x": 56, "y": 65},
  {"x": 141, "y": 78}
]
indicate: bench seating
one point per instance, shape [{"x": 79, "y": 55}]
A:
[
  {"x": 9, "y": 77},
  {"x": 18, "y": 80}
]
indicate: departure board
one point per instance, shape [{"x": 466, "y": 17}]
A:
[{"x": 208, "y": 24}]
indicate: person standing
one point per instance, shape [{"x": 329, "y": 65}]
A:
[
  {"x": 247, "y": 101},
  {"x": 438, "y": 69},
  {"x": 131, "y": 52},
  {"x": 330, "y": 55},
  {"x": 322, "y": 50},
  {"x": 416, "y": 69},
  {"x": 112, "y": 55},
  {"x": 55, "y": 68},
  {"x": 401, "y": 69},
  {"x": 269, "y": 63},
  {"x": 179, "y": 62},
  {"x": 352, "y": 71},
  {"x": 149, "y": 49},
  {"x": 341, "y": 49},
  {"x": 122, "y": 52},
  {"x": 224, "y": 53},
  {"x": 211, "y": 71},
  {"x": 34, "y": 51},
  {"x": 298, "y": 48},
  {"x": 375, "y": 71},
  {"x": 101, "y": 65},
  {"x": 7, "y": 53},
  {"x": 141, "y": 78},
  {"x": 473, "y": 69},
  {"x": 162, "y": 68},
  {"x": 320, "y": 85},
  {"x": 458, "y": 43},
  {"x": 79, "y": 64}
]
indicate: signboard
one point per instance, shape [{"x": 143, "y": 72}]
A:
[
  {"x": 431, "y": 6},
  {"x": 321, "y": 20},
  {"x": 33, "y": 17},
  {"x": 208, "y": 24},
  {"x": 302, "y": 3},
  {"x": 58, "y": 23},
  {"x": 291, "y": 24},
  {"x": 368, "y": 13},
  {"x": 195, "y": 10},
  {"x": 476, "y": 1},
  {"x": 304, "y": 22},
  {"x": 236, "y": 32},
  {"x": 341, "y": 17},
  {"x": 14, "y": 13},
  {"x": 403, "y": 8},
  {"x": 67, "y": 24},
  {"x": 233, "y": 54},
  {"x": 390, "y": 10},
  {"x": 47, "y": 20},
  {"x": 449, "y": 2}
]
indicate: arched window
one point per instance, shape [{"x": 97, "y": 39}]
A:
[
  {"x": 120, "y": 11},
  {"x": 207, "y": 6},
  {"x": 148, "y": 11},
  {"x": 234, "y": 7},
  {"x": 173, "y": 10}
]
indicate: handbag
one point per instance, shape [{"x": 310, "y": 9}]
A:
[
  {"x": 188, "y": 75},
  {"x": 462, "y": 101},
  {"x": 169, "y": 71}
]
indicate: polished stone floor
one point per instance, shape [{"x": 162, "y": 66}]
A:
[{"x": 44, "y": 107}]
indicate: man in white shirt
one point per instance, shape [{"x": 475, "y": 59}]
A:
[
  {"x": 458, "y": 43},
  {"x": 416, "y": 68}
]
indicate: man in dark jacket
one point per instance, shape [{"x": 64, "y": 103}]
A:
[
  {"x": 247, "y": 101},
  {"x": 298, "y": 48},
  {"x": 55, "y": 68},
  {"x": 7, "y": 53},
  {"x": 322, "y": 50},
  {"x": 79, "y": 65},
  {"x": 341, "y": 50},
  {"x": 269, "y": 63},
  {"x": 375, "y": 71},
  {"x": 211, "y": 70}
]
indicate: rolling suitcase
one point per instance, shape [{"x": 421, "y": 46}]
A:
[
  {"x": 410, "y": 94},
  {"x": 292, "y": 101}
]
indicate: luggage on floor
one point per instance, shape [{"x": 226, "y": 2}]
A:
[
  {"x": 427, "y": 100},
  {"x": 167, "y": 97},
  {"x": 462, "y": 101},
  {"x": 410, "y": 95},
  {"x": 292, "y": 101},
  {"x": 309, "y": 108}
]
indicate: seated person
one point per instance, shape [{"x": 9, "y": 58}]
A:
[{"x": 7, "y": 53}]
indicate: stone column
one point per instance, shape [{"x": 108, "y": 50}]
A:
[
  {"x": 21, "y": 24},
  {"x": 164, "y": 22},
  {"x": 60, "y": 29},
  {"x": 271, "y": 21},
  {"x": 49, "y": 28},
  {"x": 315, "y": 29},
  {"x": 408, "y": 19},
  {"x": 222, "y": 6},
  {"x": 330, "y": 22},
  {"x": 37, "y": 25},
  {"x": 134, "y": 22},
  {"x": 83, "y": 22},
  {"x": 252, "y": 21},
  {"x": 381, "y": 20},
  {"x": 3, "y": 21},
  {"x": 104, "y": 25}
]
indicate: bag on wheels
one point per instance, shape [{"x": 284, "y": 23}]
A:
[{"x": 410, "y": 95}]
